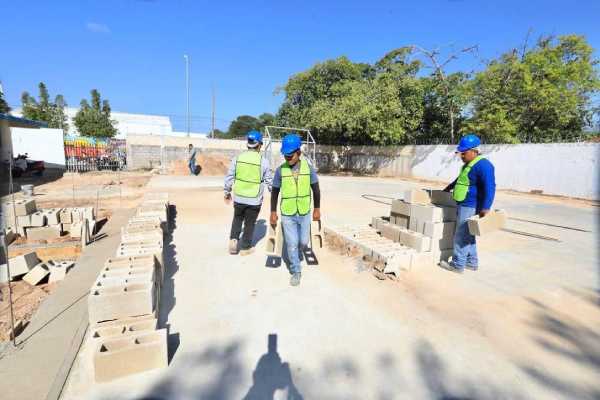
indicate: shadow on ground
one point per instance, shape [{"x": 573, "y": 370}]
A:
[{"x": 167, "y": 293}]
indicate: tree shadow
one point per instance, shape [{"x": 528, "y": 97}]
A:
[{"x": 563, "y": 337}]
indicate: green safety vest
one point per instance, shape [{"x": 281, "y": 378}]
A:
[
  {"x": 461, "y": 188},
  {"x": 295, "y": 193},
  {"x": 248, "y": 174}
]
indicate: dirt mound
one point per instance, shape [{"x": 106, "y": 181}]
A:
[{"x": 215, "y": 164}]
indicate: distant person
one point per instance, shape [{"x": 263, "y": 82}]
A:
[
  {"x": 296, "y": 178},
  {"x": 474, "y": 192},
  {"x": 192, "y": 159},
  {"x": 248, "y": 175}
]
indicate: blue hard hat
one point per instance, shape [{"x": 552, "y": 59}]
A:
[
  {"x": 290, "y": 143},
  {"x": 254, "y": 137},
  {"x": 467, "y": 142}
]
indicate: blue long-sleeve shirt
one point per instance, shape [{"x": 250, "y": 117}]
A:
[{"x": 482, "y": 188}]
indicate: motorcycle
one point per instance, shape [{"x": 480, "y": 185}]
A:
[{"x": 23, "y": 166}]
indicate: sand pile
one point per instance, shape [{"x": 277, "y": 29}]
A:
[{"x": 215, "y": 164}]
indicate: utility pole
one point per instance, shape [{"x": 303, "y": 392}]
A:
[
  {"x": 212, "y": 125},
  {"x": 187, "y": 87}
]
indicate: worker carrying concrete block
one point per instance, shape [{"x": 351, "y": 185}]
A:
[
  {"x": 474, "y": 192},
  {"x": 248, "y": 175},
  {"x": 296, "y": 178}
]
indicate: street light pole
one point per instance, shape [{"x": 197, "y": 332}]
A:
[{"x": 187, "y": 86}]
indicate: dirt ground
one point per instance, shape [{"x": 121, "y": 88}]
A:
[
  {"x": 95, "y": 189},
  {"x": 214, "y": 164}
]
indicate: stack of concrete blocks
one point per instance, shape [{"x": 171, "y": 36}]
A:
[
  {"x": 33, "y": 271},
  {"x": 18, "y": 215},
  {"x": 124, "y": 300}
]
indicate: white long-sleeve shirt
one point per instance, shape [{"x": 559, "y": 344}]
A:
[{"x": 266, "y": 181}]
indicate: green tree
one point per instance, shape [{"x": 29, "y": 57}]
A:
[
  {"x": 95, "y": 120},
  {"x": 242, "y": 124},
  {"x": 541, "y": 95},
  {"x": 4, "y": 108},
  {"x": 53, "y": 113},
  {"x": 266, "y": 119}
]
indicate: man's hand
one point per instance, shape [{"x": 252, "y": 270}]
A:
[
  {"x": 227, "y": 198},
  {"x": 317, "y": 214},
  {"x": 273, "y": 218},
  {"x": 483, "y": 213}
]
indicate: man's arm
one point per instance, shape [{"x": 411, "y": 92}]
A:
[
  {"x": 276, "y": 185},
  {"x": 230, "y": 178},
  {"x": 487, "y": 186},
  {"x": 314, "y": 185},
  {"x": 450, "y": 186}
]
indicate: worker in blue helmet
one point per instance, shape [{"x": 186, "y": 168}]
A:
[
  {"x": 297, "y": 181},
  {"x": 474, "y": 192},
  {"x": 248, "y": 175}
]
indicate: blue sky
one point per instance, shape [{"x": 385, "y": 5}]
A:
[{"x": 132, "y": 50}]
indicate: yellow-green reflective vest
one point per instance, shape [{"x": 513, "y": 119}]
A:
[
  {"x": 247, "y": 174},
  {"x": 461, "y": 188},
  {"x": 295, "y": 193}
]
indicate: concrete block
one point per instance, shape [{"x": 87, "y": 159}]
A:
[
  {"x": 128, "y": 320},
  {"x": 24, "y": 220},
  {"x": 442, "y": 255},
  {"x": 65, "y": 216},
  {"x": 88, "y": 213},
  {"x": 113, "y": 302},
  {"x": 133, "y": 275},
  {"x": 44, "y": 232},
  {"x": 274, "y": 242},
  {"x": 121, "y": 329},
  {"x": 438, "y": 230},
  {"x": 3, "y": 274},
  {"x": 135, "y": 261},
  {"x": 37, "y": 274},
  {"x": 52, "y": 215},
  {"x": 493, "y": 221},
  {"x": 76, "y": 229},
  {"x": 416, "y": 196},
  {"x": 415, "y": 240},
  {"x": 399, "y": 261},
  {"x": 400, "y": 207},
  {"x": 448, "y": 214},
  {"x": 38, "y": 218},
  {"x": 441, "y": 198},
  {"x": 115, "y": 358},
  {"x": 21, "y": 207},
  {"x": 426, "y": 213},
  {"x": 22, "y": 264},
  {"x": 10, "y": 235},
  {"x": 59, "y": 269},
  {"x": 316, "y": 234},
  {"x": 401, "y": 220},
  {"x": 76, "y": 215},
  {"x": 130, "y": 250},
  {"x": 391, "y": 232}
]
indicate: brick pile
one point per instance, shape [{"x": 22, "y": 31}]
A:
[
  {"x": 29, "y": 268},
  {"x": 124, "y": 300}
]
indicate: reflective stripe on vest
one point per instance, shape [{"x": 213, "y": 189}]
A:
[
  {"x": 295, "y": 193},
  {"x": 461, "y": 188},
  {"x": 247, "y": 174}
]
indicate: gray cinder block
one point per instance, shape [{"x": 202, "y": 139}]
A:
[
  {"x": 493, "y": 221},
  {"x": 416, "y": 196}
]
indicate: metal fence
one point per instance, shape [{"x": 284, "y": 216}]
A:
[{"x": 84, "y": 154}]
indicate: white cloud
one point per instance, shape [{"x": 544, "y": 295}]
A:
[{"x": 97, "y": 28}]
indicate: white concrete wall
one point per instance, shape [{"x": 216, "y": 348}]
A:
[{"x": 41, "y": 144}]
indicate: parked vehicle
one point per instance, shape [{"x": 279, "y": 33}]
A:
[{"x": 23, "y": 166}]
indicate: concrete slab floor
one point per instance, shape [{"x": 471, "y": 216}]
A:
[{"x": 525, "y": 326}]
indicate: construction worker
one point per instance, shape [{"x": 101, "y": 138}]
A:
[
  {"x": 248, "y": 175},
  {"x": 474, "y": 192},
  {"x": 192, "y": 159},
  {"x": 295, "y": 179}
]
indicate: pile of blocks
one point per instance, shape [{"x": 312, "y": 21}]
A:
[
  {"x": 33, "y": 271},
  {"x": 28, "y": 221},
  {"x": 419, "y": 231},
  {"x": 124, "y": 300}
]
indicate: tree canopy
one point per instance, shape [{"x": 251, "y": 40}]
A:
[
  {"x": 542, "y": 94},
  {"x": 95, "y": 120},
  {"x": 53, "y": 113}
]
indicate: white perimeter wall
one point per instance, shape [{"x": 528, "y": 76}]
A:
[
  {"x": 567, "y": 169},
  {"x": 41, "y": 144}
]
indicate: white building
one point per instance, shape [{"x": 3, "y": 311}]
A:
[{"x": 127, "y": 123}]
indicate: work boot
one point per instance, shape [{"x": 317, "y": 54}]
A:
[
  {"x": 450, "y": 266},
  {"x": 248, "y": 251},
  {"x": 233, "y": 244},
  {"x": 295, "y": 280}
]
